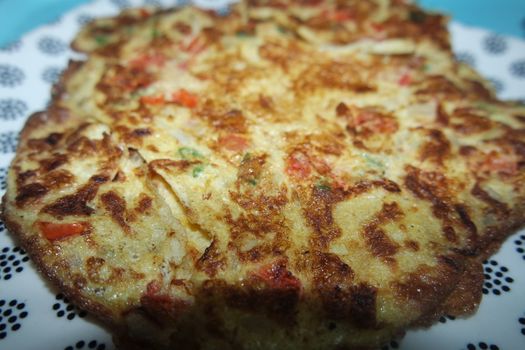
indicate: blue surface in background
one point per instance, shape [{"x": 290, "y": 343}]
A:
[{"x": 504, "y": 16}]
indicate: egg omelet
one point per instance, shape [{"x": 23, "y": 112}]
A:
[{"x": 291, "y": 175}]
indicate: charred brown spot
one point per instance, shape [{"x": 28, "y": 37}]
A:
[
  {"x": 250, "y": 169},
  {"x": 144, "y": 204},
  {"x": 441, "y": 115},
  {"x": 170, "y": 165},
  {"x": 412, "y": 245},
  {"x": 232, "y": 121},
  {"x": 141, "y": 132},
  {"x": 74, "y": 204},
  {"x": 464, "y": 216},
  {"x": 24, "y": 176},
  {"x": 467, "y": 121},
  {"x": 437, "y": 148},
  {"x": 376, "y": 239},
  {"x": 116, "y": 206},
  {"x": 342, "y": 110},
  {"x": 341, "y": 299},
  {"x": 428, "y": 286},
  {"x": 438, "y": 84},
  {"x": 43, "y": 143},
  {"x": 262, "y": 221},
  {"x": 55, "y": 161},
  {"x": 58, "y": 178},
  {"x": 499, "y": 207},
  {"x": 211, "y": 261},
  {"x": 318, "y": 211},
  {"x": 29, "y": 193}
]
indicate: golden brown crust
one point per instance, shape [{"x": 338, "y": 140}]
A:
[{"x": 324, "y": 170}]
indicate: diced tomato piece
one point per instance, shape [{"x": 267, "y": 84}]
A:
[
  {"x": 185, "y": 98},
  {"x": 342, "y": 15},
  {"x": 378, "y": 27},
  {"x": 195, "y": 46},
  {"x": 298, "y": 165},
  {"x": 500, "y": 163},
  {"x": 149, "y": 59},
  {"x": 277, "y": 276},
  {"x": 144, "y": 13},
  {"x": 56, "y": 231},
  {"x": 375, "y": 122},
  {"x": 405, "y": 80},
  {"x": 152, "y": 100},
  {"x": 233, "y": 142}
]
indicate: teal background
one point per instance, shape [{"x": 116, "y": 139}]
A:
[{"x": 504, "y": 16}]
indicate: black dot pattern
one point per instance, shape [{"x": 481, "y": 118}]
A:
[
  {"x": 121, "y": 4},
  {"x": 444, "y": 319},
  {"x": 521, "y": 322},
  {"x": 92, "y": 344},
  {"x": 11, "y": 47},
  {"x": 10, "y": 76},
  {"x": 2, "y": 227},
  {"x": 12, "y": 260},
  {"x": 64, "y": 308},
  {"x": 12, "y": 313},
  {"x": 156, "y": 3},
  {"x": 3, "y": 178},
  {"x": 84, "y": 19},
  {"x": 482, "y": 346},
  {"x": 518, "y": 69},
  {"x": 51, "y": 46},
  {"x": 8, "y": 141},
  {"x": 495, "y": 44},
  {"x": 51, "y": 74},
  {"x": 520, "y": 246},
  {"x": 497, "y": 279},
  {"x": 393, "y": 344},
  {"x": 11, "y": 108},
  {"x": 467, "y": 58}
]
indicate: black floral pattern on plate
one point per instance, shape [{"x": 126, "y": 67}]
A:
[
  {"x": 482, "y": 346},
  {"x": 3, "y": 178},
  {"x": 12, "y": 108},
  {"x": 92, "y": 344},
  {"x": 11, "y": 315},
  {"x": 51, "y": 74},
  {"x": 466, "y": 57},
  {"x": 84, "y": 19},
  {"x": 121, "y": 4},
  {"x": 497, "y": 279},
  {"x": 51, "y": 46},
  {"x": 518, "y": 69},
  {"x": 495, "y": 44},
  {"x": 63, "y": 307},
  {"x": 12, "y": 260},
  {"x": 10, "y": 76},
  {"x": 520, "y": 245},
  {"x": 8, "y": 141}
]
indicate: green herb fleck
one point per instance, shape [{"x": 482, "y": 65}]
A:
[
  {"x": 372, "y": 161},
  {"x": 282, "y": 29},
  {"x": 101, "y": 40},
  {"x": 252, "y": 182},
  {"x": 323, "y": 185},
  {"x": 189, "y": 153},
  {"x": 242, "y": 34},
  {"x": 197, "y": 170},
  {"x": 246, "y": 157},
  {"x": 155, "y": 33}
]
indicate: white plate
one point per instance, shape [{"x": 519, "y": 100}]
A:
[{"x": 34, "y": 316}]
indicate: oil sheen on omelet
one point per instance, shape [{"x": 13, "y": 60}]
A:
[{"x": 293, "y": 175}]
